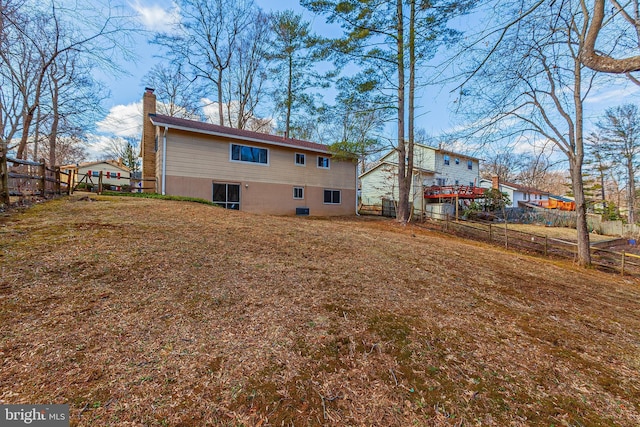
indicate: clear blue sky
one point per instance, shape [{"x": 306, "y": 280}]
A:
[{"x": 434, "y": 115}]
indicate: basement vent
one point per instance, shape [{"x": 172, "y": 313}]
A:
[{"x": 302, "y": 211}]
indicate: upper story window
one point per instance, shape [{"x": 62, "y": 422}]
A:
[
  {"x": 457, "y": 161},
  {"x": 446, "y": 159},
  {"x": 301, "y": 160},
  {"x": 245, "y": 153},
  {"x": 323, "y": 162},
  {"x": 470, "y": 164}
]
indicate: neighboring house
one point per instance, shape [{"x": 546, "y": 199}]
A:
[
  {"x": 435, "y": 171},
  {"x": 518, "y": 194},
  {"x": 243, "y": 170},
  {"x": 113, "y": 173}
]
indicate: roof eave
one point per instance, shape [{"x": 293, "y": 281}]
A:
[{"x": 236, "y": 137}]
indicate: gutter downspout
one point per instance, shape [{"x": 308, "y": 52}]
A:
[{"x": 164, "y": 160}]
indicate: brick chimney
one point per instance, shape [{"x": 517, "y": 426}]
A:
[
  {"x": 495, "y": 182},
  {"x": 148, "y": 144}
]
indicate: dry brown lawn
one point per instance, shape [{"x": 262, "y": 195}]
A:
[
  {"x": 563, "y": 233},
  {"x": 157, "y": 313}
]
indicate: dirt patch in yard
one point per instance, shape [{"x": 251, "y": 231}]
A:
[{"x": 149, "y": 312}]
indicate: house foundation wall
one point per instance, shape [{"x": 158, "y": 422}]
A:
[{"x": 266, "y": 198}]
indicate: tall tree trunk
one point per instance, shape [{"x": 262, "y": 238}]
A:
[
  {"x": 403, "y": 190},
  {"x": 575, "y": 168},
  {"x": 53, "y": 135},
  {"x": 220, "y": 109},
  {"x": 289, "y": 98},
  {"x": 411, "y": 107},
  {"x": 36, "y": 137},
  {"x": 631, "y": 192},
  {"x": 584, "y": 252},
  {"x": 24, "y": 139}
]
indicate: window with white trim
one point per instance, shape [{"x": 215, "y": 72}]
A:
[
  {"x": 446, "y": 159},
  {"x": 226, "y": 195},
  {"x": 323, "y": 162},
  {"x": 300, "y": 159},
  {"x": 298, "y": 193},
  {"x": 470, "y": 164},
  {"x": 332, "y": 197},
  {"x": 248, "y": 154}
]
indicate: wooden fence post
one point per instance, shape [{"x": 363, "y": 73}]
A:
[
  {"x": 622, "y": 267},
  {"x": 43, "y": 179},
  {"x": 4, "y": 175},
  {"x": 70, "y": 182},
  {"x": 57, "y": 169}
]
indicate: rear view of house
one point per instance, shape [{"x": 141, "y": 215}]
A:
[{"x": 244, "y": 170}]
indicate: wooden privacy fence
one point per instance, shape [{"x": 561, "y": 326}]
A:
[
  {"x": 499, "y": 234},
  {"x": 25, "y": 178}
]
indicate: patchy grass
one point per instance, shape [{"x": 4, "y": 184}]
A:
[
  {"x": 159, "y": 197},
  {"x": 150, "y": 312}
]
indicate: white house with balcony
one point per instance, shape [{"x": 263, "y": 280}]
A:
[{"x": 439, "y": 176}]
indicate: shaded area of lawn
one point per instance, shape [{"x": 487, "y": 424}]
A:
[{"x": 148, "y": 312}]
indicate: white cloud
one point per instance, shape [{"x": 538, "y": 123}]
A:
[
  {"x": 156, "y": 17},
  {"x": 97, "y": 146},
  {"x": 123, "y": 120}
]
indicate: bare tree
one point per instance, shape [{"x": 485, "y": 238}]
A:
[
  {"x": 537, "y": 84},
  {"x": 123, "y": 149},
  {"x": 177, "y": 94},
  {"x": 206, "y": 40},
  {"x": 501, "y": 163},
  {"x": 69, "y": 149},
  {"x": 74, "y": 102},
  {"x": 621, "y": 25},
  {"x": 47, "y": 33},
  {"x": 248, "y": 73},
  {"x": 620, "y": 131}
]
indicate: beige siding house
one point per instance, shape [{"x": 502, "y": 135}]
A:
[
  {"x": 432, "y": 167},
  {"x": 244, "y": 170}
]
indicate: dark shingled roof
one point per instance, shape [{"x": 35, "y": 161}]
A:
[
  {"x": 247, "y": 135},
  {"x": 523, "y": 188}
]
